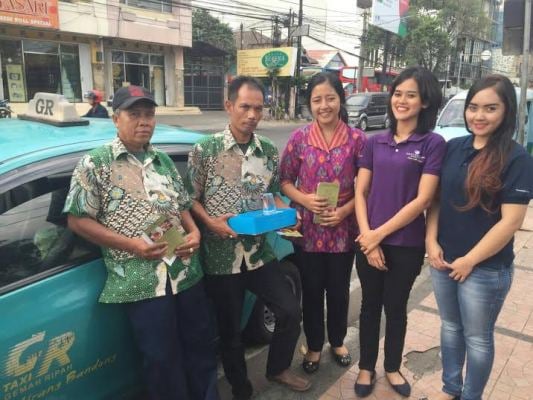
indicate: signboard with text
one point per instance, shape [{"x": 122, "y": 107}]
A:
[
  {"x": 259, "y": 62},
  {"x": 390, "y": 15},
  {"x": 36, "y": 13}
]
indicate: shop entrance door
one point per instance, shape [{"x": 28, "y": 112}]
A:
[
  {"x": 138, "y": 75},
  {"x": 42, "y": 73}
]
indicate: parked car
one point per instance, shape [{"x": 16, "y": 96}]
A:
[
  {"x": 56, "y": 340},
  {"x": 451, "y": 123},
  {"x": 368, "y": 110}
]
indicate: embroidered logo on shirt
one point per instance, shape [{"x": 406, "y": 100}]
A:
[{"x": 416, "y": 156}]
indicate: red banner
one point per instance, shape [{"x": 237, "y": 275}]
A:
[{"x": 37, "y": 13}]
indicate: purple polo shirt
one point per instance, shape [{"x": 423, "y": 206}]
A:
[{"x": 396, "y": 172}]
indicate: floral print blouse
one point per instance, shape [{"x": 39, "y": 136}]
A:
[{"x": 308, "y": 160}]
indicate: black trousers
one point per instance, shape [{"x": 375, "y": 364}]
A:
[
  {"x": 389, "y": 290},
  {"x": 269, "y": 284},
  {"x": 329, "y": 274},
  {"x": 176, "y": 335}
]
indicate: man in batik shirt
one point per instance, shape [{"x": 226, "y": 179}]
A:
[
  {"x": 118, "y": 190},
  {"x": 228, "y": 173}
]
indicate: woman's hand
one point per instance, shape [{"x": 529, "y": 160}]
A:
[
  {"x": 187, "y": 249},
  {"x": 369, "y": 240},
  {"x": 376, "y": 258},
  {"x": 435, "y": 255},
  {"x": 314, "y": 203},
  {"x": 331, "y": 217},
  {"x": 461, "y": 268}
]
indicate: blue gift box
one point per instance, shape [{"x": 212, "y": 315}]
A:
[{"x": 257, "y": 222}]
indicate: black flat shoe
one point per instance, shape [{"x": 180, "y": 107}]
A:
[
  {"x": 310, "y": 367},
  {"x": 344, "y": 360},
  {"x": 403, "y": 389},
  {"x": 364, "y": 390}
]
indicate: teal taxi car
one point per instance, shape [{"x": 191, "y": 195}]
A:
[{"x": 56, "y": 340}]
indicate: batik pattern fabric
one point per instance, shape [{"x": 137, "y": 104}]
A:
[
  {"x": 308, "y": 160},
  {"x": 225, "y": 180},
  {"x": 111, "y": 186}
]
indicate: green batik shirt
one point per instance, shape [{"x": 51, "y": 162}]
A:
[
  {"x": 113, "y": 187},
  {"x": 225, "y": 180}
]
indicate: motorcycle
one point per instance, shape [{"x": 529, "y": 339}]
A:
[{"x": 5, "y": 110}]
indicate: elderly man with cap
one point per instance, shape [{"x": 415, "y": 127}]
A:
[{"x": 117, "y": 191}]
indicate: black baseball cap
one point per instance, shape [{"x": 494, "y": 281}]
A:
[{"x": 125, "y": 97}]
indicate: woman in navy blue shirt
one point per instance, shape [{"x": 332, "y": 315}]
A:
[{"x": 486, "y": 185}]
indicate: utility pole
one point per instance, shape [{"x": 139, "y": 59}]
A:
[
  {"x": 242, "y": 39},
  {"x": 362, "y": 52},
  {"x": 524, "y": 75},
  {"x": 384, "y": 75},
  {"x": 298, "y": 58}
]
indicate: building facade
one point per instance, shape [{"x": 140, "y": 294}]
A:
[{"x": 72, "y": 47}]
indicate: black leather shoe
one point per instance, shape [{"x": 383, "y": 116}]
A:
[
  {"x": 344, "y": 360},
  {"x": 363, "y": 390},
  {"x": 310, "y": 367},
  {"x": 403, "y": 389}
]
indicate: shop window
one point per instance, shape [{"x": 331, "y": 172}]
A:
[
  {"x": 156, "y": 5},
  {"x": 117, "y": 56},
  {"x": 137, "y": 58},
  {"x": 157, "y": 60},
  {"x": 70, "y": 76},
  {"x": 12, "y": 71},
  {"x": 34, "y": 46},
  {"x": 118, "y": 76}
]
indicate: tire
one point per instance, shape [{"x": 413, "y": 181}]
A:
[
  {"x": 262, "y": 321},
  {"x": 363, "y": 124},
  {"x": 386, "y": 124}
]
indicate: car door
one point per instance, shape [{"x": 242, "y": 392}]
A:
[{"x": 56, "y": 340}]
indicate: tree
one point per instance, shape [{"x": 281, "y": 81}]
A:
[
  {"x": 434, "y": 28},
  {"x": 209, "y": 29}
]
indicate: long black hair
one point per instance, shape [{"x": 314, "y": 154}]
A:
[
  {"x": 430, "y": 94},
  {"x": 336, "y": 84}
]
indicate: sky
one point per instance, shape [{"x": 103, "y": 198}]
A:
[{"x": 337, "y": 22}]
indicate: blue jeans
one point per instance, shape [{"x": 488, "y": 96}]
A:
[{"x": 468, "y": 312}]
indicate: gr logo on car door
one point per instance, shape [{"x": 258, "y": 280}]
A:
[{"x": 40, "y": 366}]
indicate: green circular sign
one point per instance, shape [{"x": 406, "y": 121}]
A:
[{"x": 275, "y": 59}]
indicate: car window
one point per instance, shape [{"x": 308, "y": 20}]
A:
[
  {"x": 452, "y": 115},
  {"x": 357, "y": 100},
  {"x": 34, "y": 237}
]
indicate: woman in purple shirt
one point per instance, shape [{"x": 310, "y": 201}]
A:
[
  {"x": 324, "y": 151},
  {"x": 397, "y": 179}
]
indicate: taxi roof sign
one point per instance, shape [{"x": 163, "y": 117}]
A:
[{"x": 53, "y": 109}]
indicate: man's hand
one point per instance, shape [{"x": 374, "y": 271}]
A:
[
  {"x": 461, "y": 268},
  {"x": 219, "y": 225},
  {"x": 314, "y": 203},
  {"x": 187, "y": 249},
  {"x": 147, "y": 251},
  {"x": 376, "y": 258},
  {"x": 369, "y": 240}
]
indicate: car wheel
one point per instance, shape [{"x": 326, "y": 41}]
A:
[
  {"x": 363, "y": 124},
  {"x": 262, "y": 321},
  {"x": 386, "y": 124}
]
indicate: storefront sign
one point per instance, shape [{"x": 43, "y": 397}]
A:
[
  {"x": 38, "y": 13},
  {"x": 259, "y": 62},
  {"x": 15, "y": 83}
]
